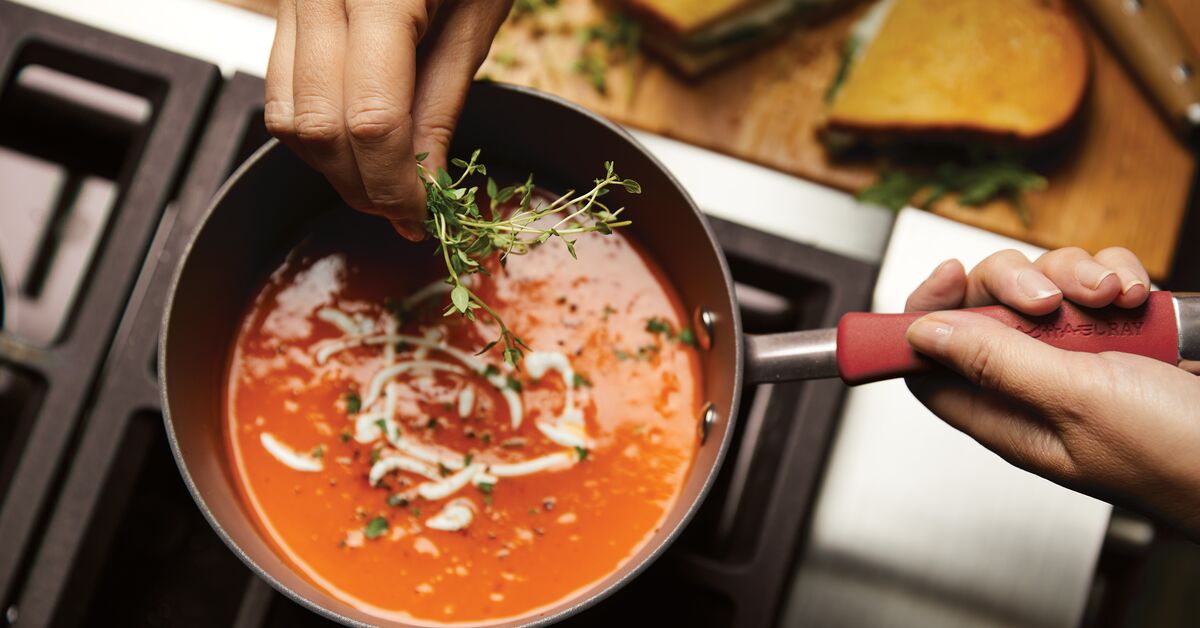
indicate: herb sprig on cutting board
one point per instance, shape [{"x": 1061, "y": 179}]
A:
[{"x": 468, "y": 234}]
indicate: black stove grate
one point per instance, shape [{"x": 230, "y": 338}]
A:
[
  {"x": 47, "y": 375},
  {"x": 102, "y": 531}
]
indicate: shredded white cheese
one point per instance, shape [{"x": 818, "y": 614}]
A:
[
  {"x": 484, "y": 477},
  {"x": 456, "y": 515},
  {"x": 566, "y": 433},
  {"x": 391, "y": 327},
  {"x": 388, "y": 464},
  {"x": 328, "y": 348},
  {"x": 339, "y": 319},
  {"x": 378, "y": 420},
  {"x": 385, "y": 375},
  {"x": 431, "y": 290},
  {"x": 450, "y": 459},
  {"x": 466, "y": 401},
  {"x": 288, "y": 456},
  {"x": 366, "y": 426},
  {"x": 566, "y": 429},
  {"x": 449, "y": 485},
  {"x": 549, "y": 462}
]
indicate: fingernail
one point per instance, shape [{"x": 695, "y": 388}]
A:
[
  {"x": 1091, "y": 274},
  {"x": 1035, "y": 285},
  {"x": 928, "y": 334},
  {"x": 1129, "y": 281},
  {"x": 410, "y": 229}
]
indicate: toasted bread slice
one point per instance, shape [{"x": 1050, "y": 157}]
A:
[
  {"x": 693, "y": 36},
  {"x": 684, "y": 18},
  {"x": 1015, "y": 69}
]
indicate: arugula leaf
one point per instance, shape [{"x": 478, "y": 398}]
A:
[
  {"x": 975, "y": 184},
  {"x": 849, "y": 53},
  {"x": 893, "y": 190}
]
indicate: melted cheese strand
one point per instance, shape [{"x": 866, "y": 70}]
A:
[
  {"x": 457, "y": 514},
  {"x": 567, "y": 434},
  {"x": 449, "y": 485},
  {"x": 419, "y": 452},
  {"x": 511, "y": 398},
  {"x": 288, "y": 456},
  {"x": 339, "y": 319},
  {"x": 366, "y": 426},
  {"x": 484, "y": 478},
  {"x": 466, "y": 402},
  {"x": 549, "y": 462},
  {"x": 391, "y": 327},
  {"x": 566, "y": 429},
  {"x": 428, "y": 291},
  {"x": 391, "y": 463},
  {"x": 383, "y": 376}
]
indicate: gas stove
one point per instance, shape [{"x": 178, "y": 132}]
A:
[{"x": 109, "y": 152}]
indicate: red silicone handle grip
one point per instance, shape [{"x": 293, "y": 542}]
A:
[{"x": 871, "y": 347}]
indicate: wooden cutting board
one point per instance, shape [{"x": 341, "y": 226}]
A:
[{"x": 1124, "y": 181}]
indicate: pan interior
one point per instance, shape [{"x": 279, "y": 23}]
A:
[{"x": 265, "y": 210}]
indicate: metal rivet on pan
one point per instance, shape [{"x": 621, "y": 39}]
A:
[
  {"x": 704, "y": 321},
  {"x": 708, "y": 418}
]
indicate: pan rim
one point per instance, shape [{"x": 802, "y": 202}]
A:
[{"x": 628, "y": 571}]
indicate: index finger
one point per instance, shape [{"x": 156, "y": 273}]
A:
[{"x": 380, "y": 74}]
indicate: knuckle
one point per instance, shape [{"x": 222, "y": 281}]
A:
[
  {"x": 984, "y": 366},
  {"x": 417, "y": 19},
  {"x": 413, "y": 15},
  {"x": 318, "y": 126},
  {"x": 437, "y": 128},
  {"x": 1068, "y": 252},
  {"x": 1116, "y": 251},
  {"x": 278, "y": 118},
  {"x": 373, "y": 118},
  {"x": 1007, "y": 255},
  {"x": 391, "y": 205}
]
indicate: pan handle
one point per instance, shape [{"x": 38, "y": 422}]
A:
[{"x": 872, "y": 347}]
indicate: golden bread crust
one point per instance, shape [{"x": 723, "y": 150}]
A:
[{"x": 1016, "y": 69}]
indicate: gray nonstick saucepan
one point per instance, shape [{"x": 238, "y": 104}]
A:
[{"x": 263, "y": 211}]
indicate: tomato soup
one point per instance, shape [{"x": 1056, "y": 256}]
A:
[{"x": 397, "y": 469}]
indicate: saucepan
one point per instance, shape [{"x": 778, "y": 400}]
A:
[{"x": 263, "y": 211}]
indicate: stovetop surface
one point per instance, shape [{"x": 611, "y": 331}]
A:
[{"x": 109, "y": 152}]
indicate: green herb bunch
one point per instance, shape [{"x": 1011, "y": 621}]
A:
[
  {"x": 467, "y": 234},
  {"x": 975, "y": 184}
]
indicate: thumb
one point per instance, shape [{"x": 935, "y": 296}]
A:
[{"x": 996, "y": 357}]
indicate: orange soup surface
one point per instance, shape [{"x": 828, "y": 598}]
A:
[{"x": 418, "y": 481}]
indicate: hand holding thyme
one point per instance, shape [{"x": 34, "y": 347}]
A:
[{"x": 467, "y": 235}]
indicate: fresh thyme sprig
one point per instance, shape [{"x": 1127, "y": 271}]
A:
[{"x": 467, "y": 235}]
